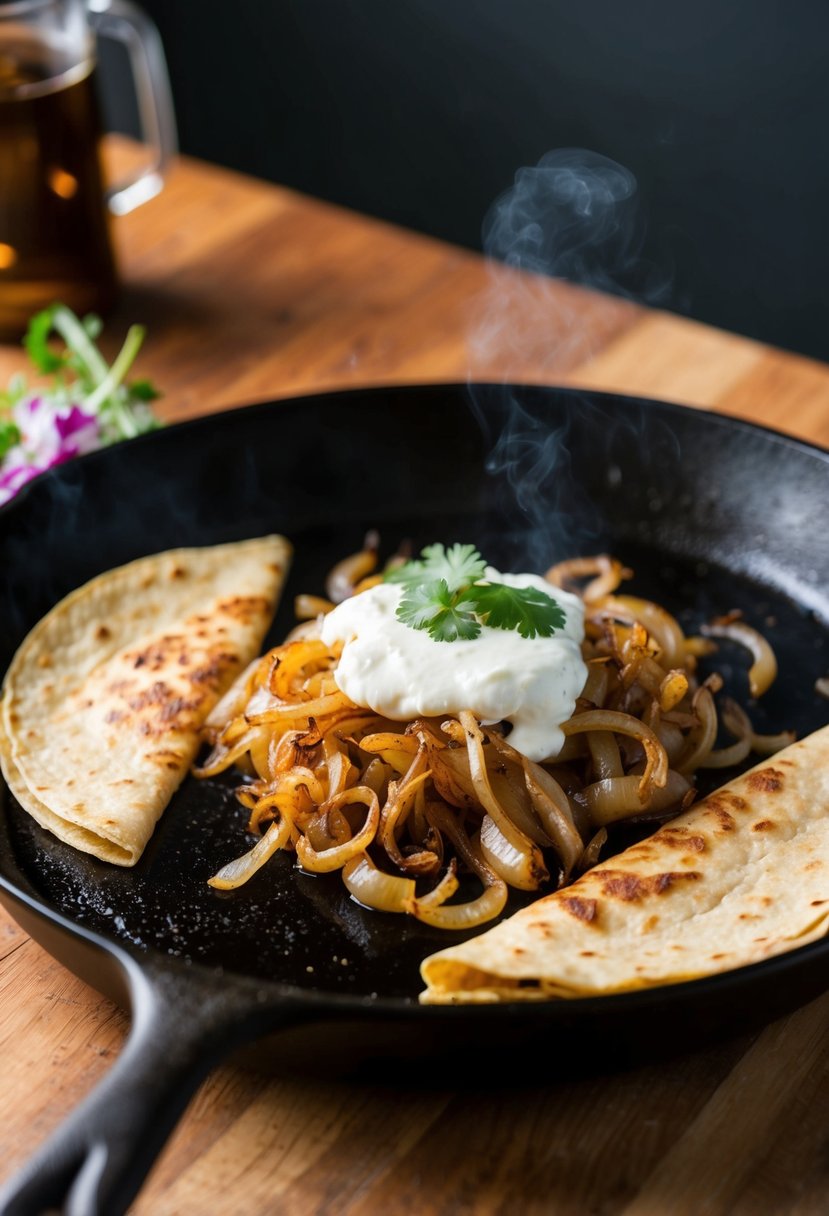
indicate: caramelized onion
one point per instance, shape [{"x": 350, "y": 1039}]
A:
[
  {"x": 344, "y": 577},
  {"x": 444, "y": 890},
  {"x": 662, "y": 627},
  {"x": 605, "y": 572},
  {"x": 485, "y": 795},
  {"x": 763, "y": 671},
  {"x": 477, "y": 911},
  {"x": 464, "y": 916},
  {"x": 550, "y": 803},
  {"x": 513, "y": 865},
  {"x": 309, "y": 607},
  {"x": 374, "y": 888},
  {"x": 325, "y": 860},
  {"x": 604, "y": 752},
  {"x": 702, "y": 736},
  {"x": 619, "y": 798},
  {"x": 265, "y": 708},
  {"x": 237, "y": 872},
  {"x": 656, "y": 769}
]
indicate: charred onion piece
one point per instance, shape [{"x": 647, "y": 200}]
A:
[{"x": 662, "y": 627}]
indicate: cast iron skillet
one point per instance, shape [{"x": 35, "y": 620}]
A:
[{"x": 713, "y": 514}]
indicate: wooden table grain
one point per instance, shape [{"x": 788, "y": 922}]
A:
[{"x": 251, "y": 291}]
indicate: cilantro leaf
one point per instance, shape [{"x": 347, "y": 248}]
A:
[
  {"x": 457, "y": 566},
  {"x": 443, "y": 594},
  {"x": 432, "y": 606},
  {"x": 528, "y": 610}
]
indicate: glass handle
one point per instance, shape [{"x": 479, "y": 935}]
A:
[{"x": 126, "y": 23}]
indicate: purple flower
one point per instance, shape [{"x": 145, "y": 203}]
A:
[
  {"x": 74, "y": 423},
  {"x": 48, "y": 436},
  {"x": 14, "y": 478}
]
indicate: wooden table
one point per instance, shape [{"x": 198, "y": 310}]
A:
[{"x": 250, "y": 292}]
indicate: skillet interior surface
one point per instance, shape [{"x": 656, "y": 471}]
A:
[{"x": 711, "y": 514}]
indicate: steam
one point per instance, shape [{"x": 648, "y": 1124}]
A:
[
  {"x": 571, "y": 216},
  {"x": 576, "y": 216}
]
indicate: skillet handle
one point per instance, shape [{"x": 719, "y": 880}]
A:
[{"x": 183, "y": 1022}]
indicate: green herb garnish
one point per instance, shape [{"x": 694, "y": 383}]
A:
[
  {"x": 459, "y": 567},
  {"x": 82, "y": 376},
  {"x": 9, "y": 437},
  {"x": 443, "y": 592},
  {"x": 82, "y": 403}
]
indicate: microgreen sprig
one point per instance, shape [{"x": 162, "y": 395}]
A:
[
  {"x": 86, "y": 403},
  {"x": 446, "y": 593}
]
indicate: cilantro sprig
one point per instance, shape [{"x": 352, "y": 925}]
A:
[{"x": 445, "y": 592}]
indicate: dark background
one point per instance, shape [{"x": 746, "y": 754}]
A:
[{"x": 421, "y": 111}]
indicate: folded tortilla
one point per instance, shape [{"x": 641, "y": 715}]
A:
[
  {"x": 103, "y": 702},
  {"x": 741, "y": 876}
]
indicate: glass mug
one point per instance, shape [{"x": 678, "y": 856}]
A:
[{"x": 54, "y": 222}]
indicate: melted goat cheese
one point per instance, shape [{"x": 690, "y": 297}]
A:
[{"x": 401, "y": 673}]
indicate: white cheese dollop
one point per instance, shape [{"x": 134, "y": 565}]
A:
[{"x": 401, "y": 673}]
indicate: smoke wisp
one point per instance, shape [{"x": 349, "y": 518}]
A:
[{"x": 575, "y": 217}]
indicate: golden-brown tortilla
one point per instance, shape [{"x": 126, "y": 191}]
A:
[
  {"x": 103, "y": 702},
  {"x": 741, "y": 876}
]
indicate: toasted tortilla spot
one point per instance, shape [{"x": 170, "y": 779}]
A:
[
  {"x": 543, "y": 928},
  {"x": 725, "y": 820},
  {"x": 763, "y": 825},
  {"x": 102, "y": 633},
  {"x": 765, "y": 780},
  {"x": 681, "y": 838},
  {"x": 582, "y": 909},
  {"x": 242, "y": 607},
  {"x": 631, "y": 888}
]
